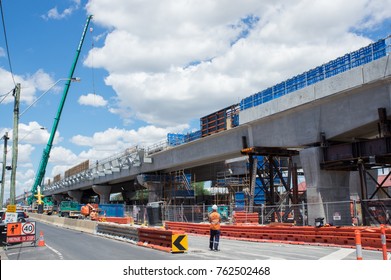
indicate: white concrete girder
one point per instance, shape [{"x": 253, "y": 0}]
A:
[
  {"x": 107, "y": 168},
  {"x": 115, "y": 165}
]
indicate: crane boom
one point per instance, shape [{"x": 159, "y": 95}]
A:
[{"x": 46, "y": 152}]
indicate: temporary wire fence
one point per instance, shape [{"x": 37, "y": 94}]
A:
[{"x": 341, "y": 213}]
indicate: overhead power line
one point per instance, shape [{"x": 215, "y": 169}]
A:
[
  {"x": 5, "y": 95},
  {"x": 6, "y": 42}
]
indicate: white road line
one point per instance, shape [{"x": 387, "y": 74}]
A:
[
  {"x": 55, "y": 251},
  {"x": 338, "y": 255}
]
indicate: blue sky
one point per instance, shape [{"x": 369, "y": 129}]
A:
[{"x": 152, "y": 67}]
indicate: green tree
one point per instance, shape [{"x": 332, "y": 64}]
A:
[{"x": 199, "y": 189}]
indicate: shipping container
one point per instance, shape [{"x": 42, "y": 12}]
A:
[
  {"x": 218, "y": 121},
  {"x": 113, "y": 210}
]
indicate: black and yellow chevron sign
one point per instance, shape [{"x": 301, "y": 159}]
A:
[{"x": 180, "y": 243}]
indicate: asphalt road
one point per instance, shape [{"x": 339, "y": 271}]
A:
[{"x": 65, "y": 244}]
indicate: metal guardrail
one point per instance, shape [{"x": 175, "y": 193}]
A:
[
  {"x": 123, "y": 160},
  {"x": 114, "y": 230}
]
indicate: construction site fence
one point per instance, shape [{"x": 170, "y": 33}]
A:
[{"x": 342, "y": 213}]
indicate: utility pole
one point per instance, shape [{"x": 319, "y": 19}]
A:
[
  {"x": 16, "y": 94},
  {"x": 5, "y": 138}
]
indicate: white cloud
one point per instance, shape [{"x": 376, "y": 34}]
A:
[
  {"x": 106, "y": 143},
  {"x": 93, "y": 100},
  {"x": 170, "y": 62},
  {"x": 6, "y": 87},
  {"x": 29, "y": 135},
  {"x": 113, "y": 139},
  {"x": 61, "y": 155},
  {"x": 30, "y": 84},
  {"x": 58, "y": 169},
  {"x": 24, "y": 181},
  {"x": 55, "y": 14}
]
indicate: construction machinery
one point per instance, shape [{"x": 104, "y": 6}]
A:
[
  {"x": 46, "y": 153},
  {"x": 91, "y": 211},
  {"x": 70, "y": 209}
]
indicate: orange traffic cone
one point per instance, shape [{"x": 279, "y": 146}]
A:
[{"x": 41, "y": 241}]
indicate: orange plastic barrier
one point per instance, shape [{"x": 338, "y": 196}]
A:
[
  {"x": 156, "y": 238},
  {"x": 245, "y": 217},
  {"x": 118, "y": 220},
  {"x": 328, "y": 235}
]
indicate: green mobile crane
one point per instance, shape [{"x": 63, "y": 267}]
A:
[{"x": 46, "y": 152}]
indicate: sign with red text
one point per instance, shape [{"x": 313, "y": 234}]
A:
[{"x": 20, "y": 232}]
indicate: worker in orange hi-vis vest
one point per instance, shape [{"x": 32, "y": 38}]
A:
[{"x": 214, "y": 219}]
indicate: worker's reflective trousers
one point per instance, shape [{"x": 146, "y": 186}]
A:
[{"x": 214, "y": 239}]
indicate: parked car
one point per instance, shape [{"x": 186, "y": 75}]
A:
[
  {"x": 2, "y": 212},
  {"x": 22, "y": 216}
]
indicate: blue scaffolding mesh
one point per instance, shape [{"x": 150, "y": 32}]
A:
[{"x": 334, "y": 67}]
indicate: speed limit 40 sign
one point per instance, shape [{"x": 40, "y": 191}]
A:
[
  {"x": 20, "y": 232},
  {"x": 28, "y": 228}
]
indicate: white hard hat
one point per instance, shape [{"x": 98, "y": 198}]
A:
[{"x": 214, "y": 207}]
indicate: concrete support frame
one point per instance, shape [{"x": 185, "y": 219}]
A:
[
  {"x": 324, "y": 189},
  {"x": 76, "y": 195},
  {"x": 128, "y": 194},
  {"x": 104, "y": 193},
  {"x": 155, "y": 191},
  {"x": 58, "y": 198}
]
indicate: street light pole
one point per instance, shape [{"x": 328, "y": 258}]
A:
[
  {"x": 16, "y": 94},
  {"x": 5, "y": 138},
  {"x": 36, "y": 100},
  {"x": 35, "y": 129}
]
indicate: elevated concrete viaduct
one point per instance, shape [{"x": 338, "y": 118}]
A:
[{"x": 344, "y": 108}]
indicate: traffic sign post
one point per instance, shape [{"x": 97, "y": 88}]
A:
[
  {"x": 11, "y": 208},
  {"x": 21, "y": 232},
  {"x": 11, "y": 217},
  {"x": 180, "y": 243}
]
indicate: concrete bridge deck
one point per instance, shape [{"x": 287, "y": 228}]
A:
[{"x": 343, "y": 107}]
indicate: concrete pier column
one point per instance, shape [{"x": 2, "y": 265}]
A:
[
  {"x": 127, "y": 195},
  {"x": 155, "y": 191},
  {"x": 58, "y": 198},
  {"x": 104, "y": 193},
  {"x": 325, "y": 189},
  {"x": 76, "y": 195}
]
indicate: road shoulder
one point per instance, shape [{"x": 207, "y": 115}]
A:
[{"x": 3, "y": 256}]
